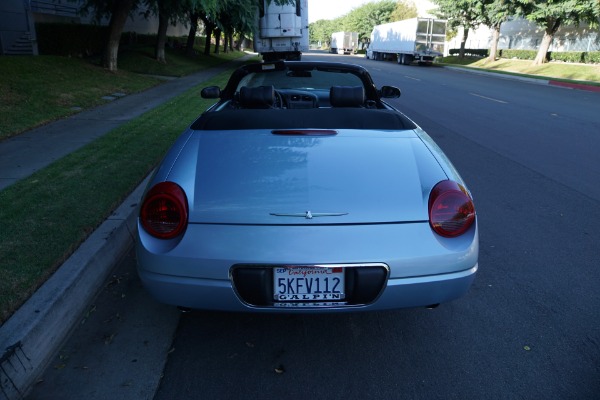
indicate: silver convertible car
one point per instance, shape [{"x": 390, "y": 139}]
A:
[{"x": 301, "y": 189}]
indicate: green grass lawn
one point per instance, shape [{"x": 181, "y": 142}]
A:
[
  {"x": 585, "y": 73},
  {"x": 42, "y": 89},
  {"x": 46, "y": 88},
  {"x": 48, "y": 215}
]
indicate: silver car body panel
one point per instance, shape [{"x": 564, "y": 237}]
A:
[{"x": 424, "y": 268}]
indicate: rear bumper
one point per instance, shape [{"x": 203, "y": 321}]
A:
[
  {"x": 197, "y": 271},
  {"x": 220, "y": 295}
]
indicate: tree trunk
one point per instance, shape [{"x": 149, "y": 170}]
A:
[
  {"x": 494, "y": 45},
  {"x": 161, "y": 38},
  {"x": 463, "y": 41},
  {"x": 225, "y": 42},
  {"x": 551, "y": 28},
  {"x": 209, "y": 32},
  {"x": 191, "y": 39},
  {"x": 217, "y": 41},
  {"x": 240, "y": 42},
  {"x": 230, "y": 40},
  {"x": 115, "y": 28},
  {"x": 209, "y": 28}
]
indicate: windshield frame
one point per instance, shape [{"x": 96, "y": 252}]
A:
[{"x": 299, "y": 70}]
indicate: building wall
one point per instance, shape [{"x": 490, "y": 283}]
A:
[
  {"x": 16, "y": 25},
  {"x": 525, "y": 35},
  {"x": 150, "y": 26},
  {"x": 135, "y": 23}
]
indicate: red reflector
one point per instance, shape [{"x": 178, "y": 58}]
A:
[{"x": 305, "y": 132}]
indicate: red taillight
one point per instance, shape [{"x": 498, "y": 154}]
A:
[
  {"x": 451, "y": 210},
  {"x": 164, "y": 212}
]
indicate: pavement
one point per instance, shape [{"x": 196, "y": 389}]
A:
[
  {"x": 34, "y": 334},
  {"x": 31, "y": 337}
]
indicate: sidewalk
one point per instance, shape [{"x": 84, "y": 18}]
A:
[{"x": 35, "y": 332}]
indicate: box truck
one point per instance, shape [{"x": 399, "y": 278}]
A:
[
  {"x": 344, "y": 42},
  {"x": 417, "y": 39},
  {"x": 281, "y": 31}
]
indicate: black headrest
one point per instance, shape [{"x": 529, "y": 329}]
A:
[
  {"x": 257, "y": 97},
  {"x": 347, "y": 96}
]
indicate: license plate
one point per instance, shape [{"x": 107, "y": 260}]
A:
[{"x": 308, "y": 284}]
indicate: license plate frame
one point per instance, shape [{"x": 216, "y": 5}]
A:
[{"x": 301, "y": 283}]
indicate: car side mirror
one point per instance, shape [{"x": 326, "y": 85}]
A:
[
  {"x": 389, "y": 92},
  {"x": 211, "y": 92}
]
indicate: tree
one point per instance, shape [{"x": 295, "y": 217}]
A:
[
  {"x": 403, "y": 11},
  {"x": 117, "y": 11},
  {"x": 362, "y": 19},
  {"x": 194, "y": 19},
  {"x": 552, "y": 14},
  {"x": 228, "y": 17},
  {"x": 167, "y": 12},
  {"x": 236, "y": 17},
  {"x": 321, "y": 30},
  {"x": 493, "y": 14},
  {"x": 461, "y": 13}
]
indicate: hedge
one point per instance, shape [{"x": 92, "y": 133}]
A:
[
  {"x": 592, "y": 57},
  {"x": 567, "y": 56},
  {"x": 471, "y": 52},
  {"x": 78, "y": 40},
  {"x": 70, "y": 39},
  {"x": 518, "y": 54}
]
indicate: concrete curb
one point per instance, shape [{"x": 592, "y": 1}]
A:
[
  {"x": 579, "y": 86},
  {"x": 36, "y": 331}
]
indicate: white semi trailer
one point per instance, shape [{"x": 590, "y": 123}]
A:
[
  {"x": 344, "y": 42},
  {"x": 416, "y": 39},
  {"x": 281, "y": 31}
]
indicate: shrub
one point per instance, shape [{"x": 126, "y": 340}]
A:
[
  {"x": 518, "y": 54},
  {"x": 70, "y": 39},
  {"x": 567, "y": 56},
  {"x": 593, "y": 57},
  {"x": 470, "y": 52}
]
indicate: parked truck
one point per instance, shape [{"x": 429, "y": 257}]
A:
[
  {"x": 281, "y": 31},
  {"x": 344, "y": 42},
  {"x": 411, "y": 40}
]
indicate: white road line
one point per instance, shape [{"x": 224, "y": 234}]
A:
[
  {"x": 410, "y": 77},
  {"x": 488, "y": 98}
]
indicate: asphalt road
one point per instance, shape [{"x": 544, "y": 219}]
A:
[{"x": 528, "y": 329}]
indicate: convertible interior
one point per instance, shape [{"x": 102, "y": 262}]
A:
[
  {"x": 301, "y": 95},
  {"x": 268, "y": 97},
  {"x": 263, "y": 107}
]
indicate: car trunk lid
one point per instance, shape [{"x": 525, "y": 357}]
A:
[{"x": 349, "y": 177}]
